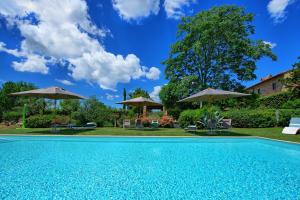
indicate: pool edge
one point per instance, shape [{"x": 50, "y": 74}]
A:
[{"x": 142, "y": 136}]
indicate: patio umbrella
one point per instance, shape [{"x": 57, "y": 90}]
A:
[
  {"x": 49, "y": 93},
  {"x": 211, "y": 95},
  {"x": 141, "y": 102}
]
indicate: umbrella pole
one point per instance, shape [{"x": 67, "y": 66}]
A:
[
  {"x": 55, "y": 116},
  {"x": 24, "y": 116}
]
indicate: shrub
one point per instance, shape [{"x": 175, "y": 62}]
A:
[
  {"x": 275, "y": 100},
  {"x": 166, "y": 121},
  {"x": 261, "y": 118},
  {"x": 284, "y": 116},
  {"x": 189, "y": 117},
  {"x": 61, "y": 119},
  {"x": 12, "y": 116},
  {"x": 251, "y": 118},
  {"x": 39, "y": 121},
  {"x": 145, "y": 121},
  {"x": 292, "y": 104}
]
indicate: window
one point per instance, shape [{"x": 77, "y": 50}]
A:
[
  {"x": 258, "y": 91},
  {"x": 274, "y": 86}
]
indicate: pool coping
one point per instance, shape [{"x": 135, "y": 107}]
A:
[{"x": 151, "y": 136}]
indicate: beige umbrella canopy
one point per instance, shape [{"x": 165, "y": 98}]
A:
[
  {"x": 142, "y": 102},
  {"x": 50, "y": 93},
  {"x": 211, "y": 95}
]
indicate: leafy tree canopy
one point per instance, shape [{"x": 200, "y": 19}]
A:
[
  {"x": 7, "y": 102},
  {"x": 214, "y": 49},
  {"x": 139, "y": 92},
  {"x": 292, "y": 82}
]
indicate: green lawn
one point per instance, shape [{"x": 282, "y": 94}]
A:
[{"x": 274, "y": 133}]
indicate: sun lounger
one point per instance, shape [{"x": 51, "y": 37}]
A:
[
  {"x": 191, "y": 128},
  {"x": 126, "y": 123},
  {"x": 293, "y": 127},
  {"x": 88, "y": 126},
  {"x": 226, "y": 123},
  {"x": 154, "y": 124}
]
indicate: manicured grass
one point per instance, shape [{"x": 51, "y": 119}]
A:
[{"x": 273, "y": 133}]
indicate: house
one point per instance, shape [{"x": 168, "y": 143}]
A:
[{"x": 269, "y": 85}]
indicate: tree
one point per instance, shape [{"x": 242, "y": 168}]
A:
[
  {"x": 93, "y": 110},
  {"x": 292, "y": 82},
  {"x": 68, "y": 106},
  {"x": 124, "y": 98},
  {"x": 213, "y": 49},
  {"x": 139, "y": 92},
  {"x": 11, "y": 103}
]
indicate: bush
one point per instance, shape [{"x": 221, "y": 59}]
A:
[
  {"x": 251, "y": 118},
  {"x": 275, "y": 100},
  {"x": 39, "y": 121},
  {"x": 292, "y": 104},
  {"x": 284, "y": 116},
  {"x": 12, "y": 116},
  {"x": 61, "y": 119},
  {"x": 190, "y": 117},
  {"x": 261, "y": 118},
  {"x": 166, "y": 121}
]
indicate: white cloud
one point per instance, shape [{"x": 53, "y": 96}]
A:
[
  {"x": 136, "y": 9},
  {"x": 175, "y": 8},
  {"x": 32, "y": 63},
  {"x": 271, "y": 44},
  {"x": 111, "y": 96},
  {"x": 155, "y": 93},
  {"x": 153, "y": 73},
  {"x": 65, "y": 82},
  {"x": 277, "y": 9},
  {"x": 65, "y": 33}
]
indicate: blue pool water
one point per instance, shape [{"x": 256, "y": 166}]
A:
[{"x": 147, "y": 168}]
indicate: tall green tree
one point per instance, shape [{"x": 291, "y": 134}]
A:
[
  {"x": 93, "y": 110},
  {"x": 215, "y": 49},
  {"x": 139, "y": 92},
  {"x": 124, "y": 98},
  {"x": 292, "y": 82},
  {"x": 8, "y": 102},
  {"x": 68, "y": 106}
]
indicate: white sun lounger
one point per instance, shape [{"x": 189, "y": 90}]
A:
[{"x": 293, "y": 127}]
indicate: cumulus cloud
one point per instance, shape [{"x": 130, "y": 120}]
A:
[
  {"x": 155, "y": 93},
  {"x": 153, "y": 73},
  {"x": 65, "y": 82},
  {"x": 32, "y": 63},
  {"x": 136, "y": 9},
  {"x": 111, "y": 97},
  {"x": 175, "y": 8},
  {"x": 62, "y": 31},
  {"x": 271, "y": 44},
  {"x": 277, "y": 9}
]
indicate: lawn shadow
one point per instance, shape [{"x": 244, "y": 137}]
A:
[
  {"x": 60, "y": 132},
  {"x": 144, "y": 129},
  {"x": 219, "y": 133}
]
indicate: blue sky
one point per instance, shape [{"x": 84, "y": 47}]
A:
[{"x": 99, "y": 47}]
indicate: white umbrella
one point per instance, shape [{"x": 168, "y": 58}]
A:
[{"x": 211, "y": 95}]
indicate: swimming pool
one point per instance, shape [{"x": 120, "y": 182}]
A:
[{"x": 147, "y": 168}]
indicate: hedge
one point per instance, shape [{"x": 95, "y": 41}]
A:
[
  {"x": 12, "y": 116},
  {"x": 261, "y": 118},
  {"x": 39, "y": 121},
  {"x": 275, "y": 100}
]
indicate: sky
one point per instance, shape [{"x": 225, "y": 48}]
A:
[{"x": 97, "y": 48}]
